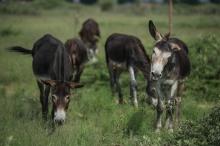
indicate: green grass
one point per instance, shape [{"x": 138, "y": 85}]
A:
[{"x": 93, "y": 118}]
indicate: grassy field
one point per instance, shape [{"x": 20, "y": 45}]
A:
[{"x": 94, "y": 118}]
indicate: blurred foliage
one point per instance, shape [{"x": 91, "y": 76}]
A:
[
  {"x": 106, "y": 5},
  {"x": 18, "y": 8},
  {"x": 48, "y": 4},
  {"x": 8, "y": 31},
  {"x": 215, "y": 1},
  {"x": 190, "y": 1},
  {"x": 202, "y": 132},
  {"x": 88, "y": 1},
  {"x": 205, "y": 65},
  {"x": 125, "y": 1},
  {"x": 205, "y": 70}
]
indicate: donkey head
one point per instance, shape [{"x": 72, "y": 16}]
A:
[
  {"x": 61, "y": 98},
  {"x": 163, "y": 52}
]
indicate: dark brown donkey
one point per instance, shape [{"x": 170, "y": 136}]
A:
[
  {"x": 52, "y": 68},
  {"x": 126, "y": 52},
  {"x": 90, "y": 35},
  {"x": 78, "y": 55},
  {"x": 169, "y": 67}
]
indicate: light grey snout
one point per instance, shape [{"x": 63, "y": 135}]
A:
[
  {"x": 155, "y": 75},
  {"x": 59, "y": 116}
]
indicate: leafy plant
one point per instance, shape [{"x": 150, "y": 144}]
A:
[{"x": 203, "y": 132}]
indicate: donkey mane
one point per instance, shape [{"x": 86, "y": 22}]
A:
[
  {"x": 183, "y": 62},
  {"x": 182, "y": 56}
]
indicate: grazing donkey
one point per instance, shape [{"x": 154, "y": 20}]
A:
[
  {"x": 90, "y": 35},
  {"x": 126, "y": 52},
  {"x": 53, "y": 70},
  {"x": 169, "y": 67},
  {"x": 78, "y": 55}
]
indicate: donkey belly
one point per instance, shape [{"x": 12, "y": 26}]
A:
[{"x": 118, "y": 65}]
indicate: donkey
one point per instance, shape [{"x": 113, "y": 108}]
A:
[
  {"x": 126, "y": 52},
  {"x": 170, "y": 65},
  {"x": 53, "y": 71},
  {"x": 78, "y": 55},
  {"x": 90, "y": 34}
]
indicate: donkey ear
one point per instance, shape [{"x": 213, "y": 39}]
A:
[
  {"x": 49, "y": 82},
  {"x": 153, "y": 31},
  {"x": 74, "y": 85},
  {"x": 167, "y": 36},
  {"x": 175, "y": 47}
]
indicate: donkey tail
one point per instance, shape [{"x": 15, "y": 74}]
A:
[{"x": 20, "y": 50}]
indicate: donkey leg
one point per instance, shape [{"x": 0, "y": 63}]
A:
[
  {"x": 79, "y": 71},
  {"x": 133, "y": 86},
  {"x": 159, "y": 109},
  {"x": 43, "y": 99},
  {"x": 171, "y": 107},
  {"x": 118, "y": 87},
  {"x": 178, "y": 102},
  {"x": 46, "y": 96},
  {"x": 112, "y": 77}
]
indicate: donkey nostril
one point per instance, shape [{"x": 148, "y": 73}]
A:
[
  {"x": 59, "y": 122},
  {"x": 153, "y": 74},
  {"x": 156, "y": 75}
]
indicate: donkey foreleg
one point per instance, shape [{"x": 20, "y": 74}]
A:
[
  {"x": 178, "y": 102},
  {"x": 44, "y": 93},
  {"x": 171, "y": 106},
  {"x": 159, "y": 109},
  {"x": 79, "y": 71},
  {"x": 133, "y": 86}
]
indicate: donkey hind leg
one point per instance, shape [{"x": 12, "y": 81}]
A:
[
  {"x": 180, "y": 89},
  {"x": 112, "y": 79},
  {"x": 133, "y": 86},
  {"x": 171, "y": 107},
  {"x": 118, "y": 87},
  {"x": 79, "y": 71},
  {"x": 44, "y": 93}
]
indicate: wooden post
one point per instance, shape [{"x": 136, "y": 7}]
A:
[{"x": 170, "y": 15}]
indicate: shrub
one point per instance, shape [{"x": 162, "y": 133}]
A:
[
  {"x": 8, "y": 31},
  {"x": 205, "y": 72},
  {"x": 89, "y": 2},
  {"x": 215, "y": 1},
  {"x": 203, "y": 132},
  {"x": 18, "y": 8},
  {"x": 48, "y": 4},
  {"x": 125, "y": 1},
  {"x": 106, "y": 5}
]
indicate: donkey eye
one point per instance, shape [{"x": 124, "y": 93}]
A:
[
  {"x": 54, "y": 98},
  {"x": 67, "y": 98},
  {"x": 153, "y": 52}
]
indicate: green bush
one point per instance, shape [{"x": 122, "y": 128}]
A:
[
  {"x": 215, "y": 1},
  {"x": 48, "y": 4},
  {"x": 106, "y": 5},
  {"x": 203, "y": 132},
  {"x": 125, "y": 1},
  {"x": 18, "y": 8},
  {"x": 205, "y": 66},
  {"x": 8, "y": 31},
  {"x": 89, "y": 2},
  {"x": 205, "y": 72}
]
